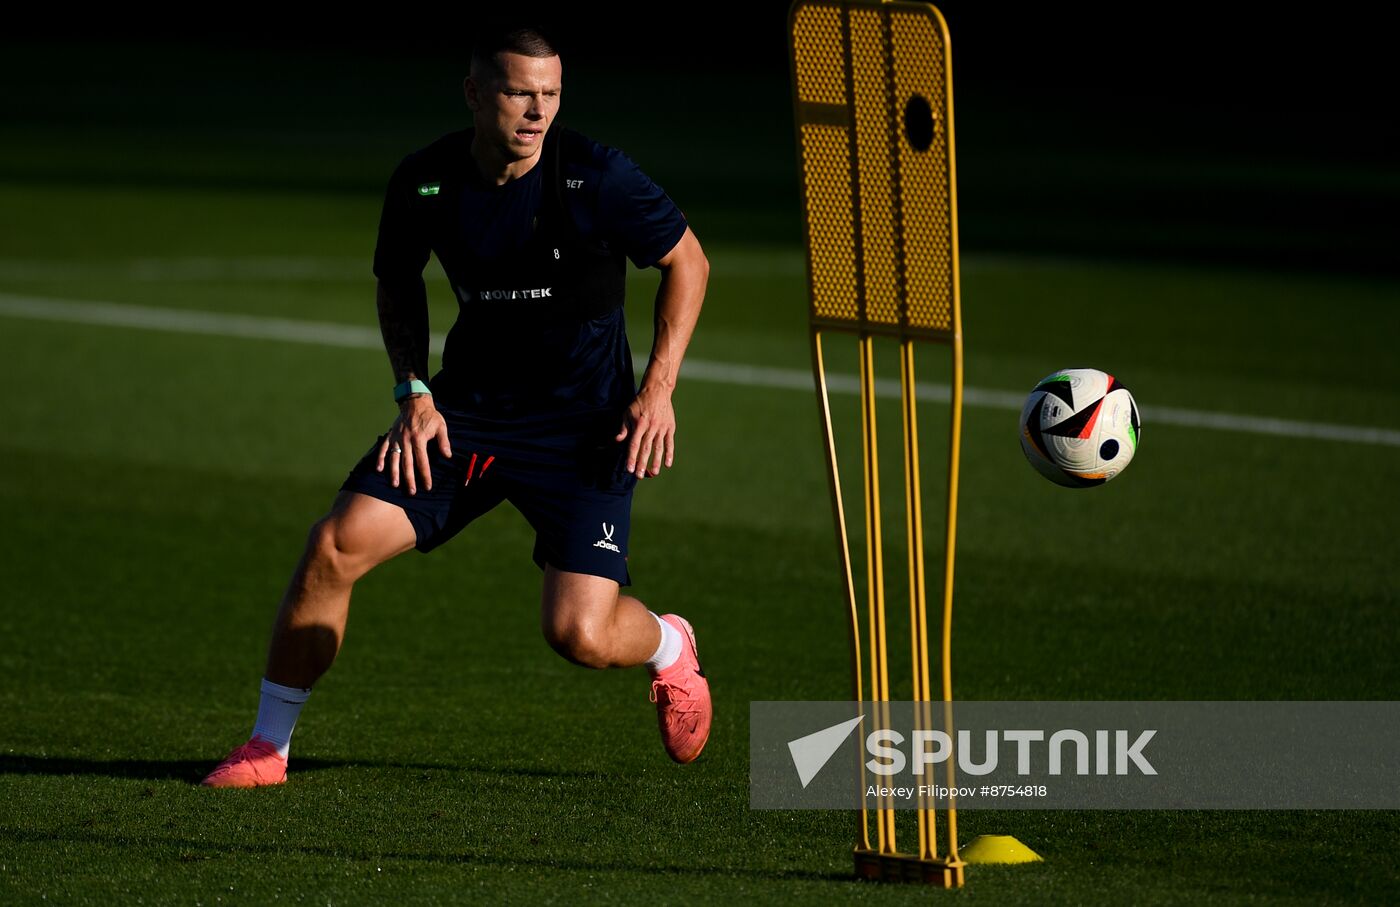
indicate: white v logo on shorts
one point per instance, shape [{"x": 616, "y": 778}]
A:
[{"x": 606, "y": 541}]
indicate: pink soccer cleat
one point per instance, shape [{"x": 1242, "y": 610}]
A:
[
  {"x": 682, "y": 697},
  {"x": 254, "y": 764}
]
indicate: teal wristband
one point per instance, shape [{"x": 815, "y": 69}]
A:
[{"x": 408, "y": 388}]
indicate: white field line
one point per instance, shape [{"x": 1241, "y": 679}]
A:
[
  {"x": 320, "y": 333},
  {"x": 194, "y": 269}
]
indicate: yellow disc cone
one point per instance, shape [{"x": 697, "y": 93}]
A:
[{"x": 997, "y": 849}]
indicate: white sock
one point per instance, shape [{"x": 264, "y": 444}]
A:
[
  {"x": 277, "y": 714},
  {"x": 669, "y": 651}
]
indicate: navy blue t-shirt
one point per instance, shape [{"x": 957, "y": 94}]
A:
[{"x": 515, "y": 365}]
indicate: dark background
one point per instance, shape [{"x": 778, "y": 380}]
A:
[{"x": 1233, "y": 134}]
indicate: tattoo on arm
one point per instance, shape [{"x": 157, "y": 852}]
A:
[{"x": 403, "y": 322}]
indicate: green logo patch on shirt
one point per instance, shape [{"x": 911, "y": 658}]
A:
[{"x": 429, "y": 188}]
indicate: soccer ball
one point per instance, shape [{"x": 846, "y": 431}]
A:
[{"x": 1080, "y": 427}]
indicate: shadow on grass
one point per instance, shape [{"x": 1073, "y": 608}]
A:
[
  {"x": 193, "y": 770},
  {"x": 188, "y": 850}
]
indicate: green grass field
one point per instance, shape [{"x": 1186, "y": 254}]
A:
[{"x": 159, "y": 485}]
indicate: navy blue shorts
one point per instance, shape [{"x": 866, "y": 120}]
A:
[{"x": 580, "y": 506}]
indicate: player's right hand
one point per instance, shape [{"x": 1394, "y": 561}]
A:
[{"x": 405, "y": 447}]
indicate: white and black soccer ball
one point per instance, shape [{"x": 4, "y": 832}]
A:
[{"x": 1080, "y": 427}]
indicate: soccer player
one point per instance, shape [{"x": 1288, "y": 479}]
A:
[{"x": 535, "y": 403}]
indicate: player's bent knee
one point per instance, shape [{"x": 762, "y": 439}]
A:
[
  {"x": 583, "y": 643},
  {"x": 326, "y": 552},
  {"x": 356, "y": 536},
  {"x": 577, "y": 617},
  {"x": 333, "y": 552}
]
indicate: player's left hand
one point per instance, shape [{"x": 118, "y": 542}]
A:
[{"x": 651, "y": 424}]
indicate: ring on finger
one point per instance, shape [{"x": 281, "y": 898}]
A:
[{"x": 397, "y": 449}]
